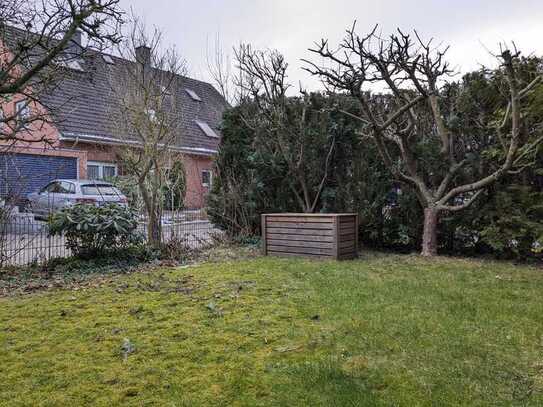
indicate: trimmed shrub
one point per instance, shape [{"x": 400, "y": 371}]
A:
[{"x": 93, "y": 230}]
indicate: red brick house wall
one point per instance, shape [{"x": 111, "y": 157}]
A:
[{"x": 196, "y": 192}]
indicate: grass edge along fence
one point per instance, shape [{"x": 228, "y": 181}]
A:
[{"x": 323, "y": 235}]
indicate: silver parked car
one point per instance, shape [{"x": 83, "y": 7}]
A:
[{"x": 62, "y": 193}]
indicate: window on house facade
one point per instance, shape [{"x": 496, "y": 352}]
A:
[
  {"x": 93, "y": 171},
  {"x": 206, "y": 178},
  {"x": 22, "y": 111},
  {"x": 109, "y": 171},
  {"x": 151, "y": 114},
  {"x": 97, "y": 170}
]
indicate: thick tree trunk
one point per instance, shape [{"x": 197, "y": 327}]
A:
[
  {"x": 154, "y": 225},
  {"x": 154, "y": 229},
  {"x": 429, "y": 236}
]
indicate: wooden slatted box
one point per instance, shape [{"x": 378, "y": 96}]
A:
[{"x": 330, "y": 235}]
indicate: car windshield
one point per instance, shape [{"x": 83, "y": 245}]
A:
[{"x": 99, "y": 189}]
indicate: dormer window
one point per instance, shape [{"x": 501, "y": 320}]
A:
[
  {"x": 107, "y": 59},
  {"x": 70, "y": 63},
  {"x": 208, "y": 131},
  {"x": 194, "y": 96}
]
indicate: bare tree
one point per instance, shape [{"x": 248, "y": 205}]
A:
[
  {"x": 219, "y": 68},
  {"x": 38, "y": 41},
  {"x": 147, "y": 117},
  {"x": 282, "y": 121},
  {"x": 414, "y": 72}
]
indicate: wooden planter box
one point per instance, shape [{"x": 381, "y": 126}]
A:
[{"x": 331, "y": 235}]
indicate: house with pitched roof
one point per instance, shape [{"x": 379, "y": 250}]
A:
[{"x": 81, "y": 141}]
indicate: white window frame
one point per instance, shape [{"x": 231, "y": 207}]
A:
[
  {"x": 101, "y": 165},
  {"x": 207, "y": 185},
  {"x": 24, "y": 112},
  {"x": 151, "y": 114}
]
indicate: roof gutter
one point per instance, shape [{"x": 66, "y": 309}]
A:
[{"x": 89, "y": 138}]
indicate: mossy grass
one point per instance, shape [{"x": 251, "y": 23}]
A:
[{"x": 381, "y": 330}]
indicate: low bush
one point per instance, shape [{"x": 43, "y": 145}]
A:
[
  {"x": 176, "y": 249},
  {"x": 94, "y": 230}
]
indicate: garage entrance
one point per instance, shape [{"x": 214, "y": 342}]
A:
[{"x": 21, "y": 174}]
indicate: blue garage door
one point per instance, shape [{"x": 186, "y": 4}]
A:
[{"x": 21, "y": 174}]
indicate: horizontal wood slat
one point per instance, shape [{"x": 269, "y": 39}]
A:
[
  {"x": 305, "y": 238},
  {"x": 346, "y": 244},
  {"x": 303, "y": 225},
  {"x": 312, "y": 235},
  {"x": 347, "y": 226},
  {"x": 299, "y": 219},
  {"x": 301, "y": 250},
  {"x": 295, "y": 243},
  {"x": 347, "y": 236},
  {"x": 294, "y": 231}
]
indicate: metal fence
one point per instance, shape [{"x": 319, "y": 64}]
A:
[{"x": 25, "y": 240}]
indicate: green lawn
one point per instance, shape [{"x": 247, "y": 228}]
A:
[{"x": 384, "y": 330}]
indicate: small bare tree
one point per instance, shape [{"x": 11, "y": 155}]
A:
[
  {"x": 414, "y": 72},
  {"x": 38, "y": 41},
  {"x": 282, "y": 121},
  {"x": 219, "y": 68},
  {"x": 147, "y": 117}
]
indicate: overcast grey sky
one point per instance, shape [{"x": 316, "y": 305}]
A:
[{"x": 291, "y": 26}]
